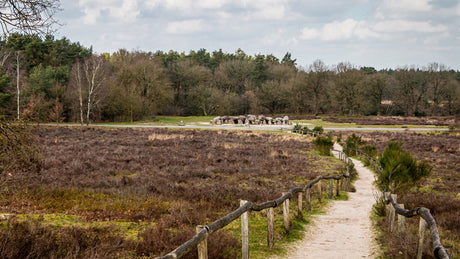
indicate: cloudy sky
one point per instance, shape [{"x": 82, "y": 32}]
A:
[{"x": 378, "y": 33}]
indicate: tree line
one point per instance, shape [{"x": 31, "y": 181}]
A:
[{"x": 48, "y": 79}]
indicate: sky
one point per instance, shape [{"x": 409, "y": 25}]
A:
[{"x": 378, "y": 33}]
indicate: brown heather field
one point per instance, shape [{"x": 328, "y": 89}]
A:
[
  {"x": 397, "y": 120},
  {"x": 440, "y": 192},
  {"x": 140, "y": 192}
]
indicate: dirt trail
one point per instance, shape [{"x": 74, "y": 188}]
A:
[{"x": 345, "y": 231}]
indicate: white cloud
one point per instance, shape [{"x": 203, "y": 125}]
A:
[
  {"x": 344, "y": 30},
  {"x": 395, "y": 9},
  {"x": 351, "y": 28},
  {"x": 121, "y": 11},
  {"x": 185, "y": 27},
  {"x": 185, "y": 5},
  {"x": 407, "y": 26},
  {"x": 309, "y": 34}
]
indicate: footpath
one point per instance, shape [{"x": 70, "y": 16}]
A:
[{"x": 345, "y": 231}]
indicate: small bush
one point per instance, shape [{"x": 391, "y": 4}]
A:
[
  {"x": 323, "y": 145},
  {"x": 353, "y": 142},
  {"x": 400, "y": 170},
  {"x": 371, "y": 151},
  {"x": 297, "y": 128},
  {"x": 318, "y": 129},
  {"x": 305, "y": 130}
]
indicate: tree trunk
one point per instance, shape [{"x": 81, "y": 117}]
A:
[{"x": 17, "y": 82}]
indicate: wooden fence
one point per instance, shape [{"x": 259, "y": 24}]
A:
[
  {"x": 200, "y": 239},
  {"x": 393, "y": 208}
]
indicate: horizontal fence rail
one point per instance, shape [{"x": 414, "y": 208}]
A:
[
  {"x": 247, "y": 206},
  {"x": 426, "y": 218}
]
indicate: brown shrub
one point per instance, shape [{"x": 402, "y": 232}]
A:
[{"x": 31, "y": 239}]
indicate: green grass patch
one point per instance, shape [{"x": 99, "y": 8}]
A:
[{"x": 129, "y": 230}]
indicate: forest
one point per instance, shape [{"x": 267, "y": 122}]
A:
[{"x": 44, "y": 79}]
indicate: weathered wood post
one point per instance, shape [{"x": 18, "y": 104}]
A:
[
  {"x": 299, "y": 205},
  {"x": 331, "y": 187},
  {"x": 308, "y": 199},
  {"x": 387, "y": 206},
  {"x": 270, "y": 228},
  {"x": 244, "y": 233},
  {"x": 401, "y": 221},
  {"x": 319, "y": 191},
  {"x": 392, "y": 213},
  {"x": 421, "y": 237},
  {"x": 337, "y": 187},
  {"x": 286, "y": 214},
  {"x": 203, "y": 245}
]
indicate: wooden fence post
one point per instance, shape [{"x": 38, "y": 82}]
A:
[
  {"x": 270, "y": 228},
  {"x": 392, "y": 213},
  {"x": 244, "y": 233},
  {"x": 331, "y": 187},
  {"x": 337, "y": 187},
  {"x": 319, "y": 191},
  {"x": 203, "y": 245},
  {"x": 387, "y": 206},
  {"x": 421, "y": 237},
  {"x": 299, "y": 205},
  {"x": 286, "y": 214},
  {"x": 401, "y": 221},
  {"x": 308, "y": 199}
]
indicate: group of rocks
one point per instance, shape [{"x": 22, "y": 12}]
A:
[{"x": 250, "y": 120}]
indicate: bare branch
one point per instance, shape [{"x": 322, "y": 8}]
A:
[{"x": 28, "y": 16}]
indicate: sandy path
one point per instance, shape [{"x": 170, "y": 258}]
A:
[{"x": 345, "y": 231}]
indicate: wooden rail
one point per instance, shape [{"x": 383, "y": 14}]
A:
[
  {"x": 247, "y": 206},
  {"x": 426, "y": 219}
]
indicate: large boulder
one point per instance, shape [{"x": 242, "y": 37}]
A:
[
  {"x": 269, "y": 120},
  {"x": 251, "y": 119},
  {"x": 216, "y": 121},
  {"x": 286, "y": 120}
]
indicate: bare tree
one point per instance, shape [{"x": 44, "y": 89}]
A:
[
  {"x": 438, "y": 78},
  {"x": 28, "y": 16},
  {"x": 95, "y": 69},
  {"x": 412, "y": 89},
  {"x": 348, "y": 82},
  {"x": 318, "y": 76},
  {"x": 88, "y": 82}
]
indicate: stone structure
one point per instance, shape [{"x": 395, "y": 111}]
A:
[{"x": 250, "y": 120}]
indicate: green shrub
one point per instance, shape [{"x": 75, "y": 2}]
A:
[
  {"x": 371, "y": 151},
  {"x": 353, "y": 142},
  {"x": 323, "y": 145},
  {"x": 305, "y": 130},
  {"x": 400, "y": 170},
  {"x": 318, "y": 129},
  {"x": 297, "y": 128}
]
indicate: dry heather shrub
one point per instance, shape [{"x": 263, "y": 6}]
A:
[
  {"x": 31, "y": 239},
  {"x": 157, "y": 136},
  {"x": 161, "y": 239}
]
